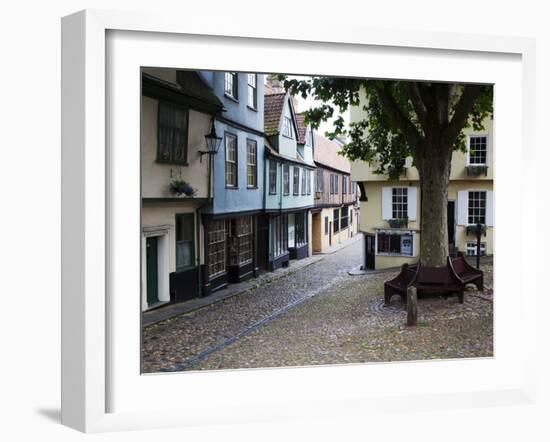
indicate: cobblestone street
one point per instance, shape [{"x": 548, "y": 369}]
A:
[{"x": 320, "y": 315}]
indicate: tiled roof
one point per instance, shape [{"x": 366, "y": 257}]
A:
[
  {"x": 325, "y": 152},
  {"x": 302, "y": 128},
  {"x": 273, "y": 108}
]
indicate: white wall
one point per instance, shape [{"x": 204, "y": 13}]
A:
[{"x": 30, "y": 30}]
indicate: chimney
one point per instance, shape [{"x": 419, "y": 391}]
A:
[{"x": 273, "y": 85}]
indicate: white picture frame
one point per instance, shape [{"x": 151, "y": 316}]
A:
[{"x": 93, "y": 321}]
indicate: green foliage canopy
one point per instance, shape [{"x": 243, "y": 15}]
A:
[{"x": 402, "y": 118}]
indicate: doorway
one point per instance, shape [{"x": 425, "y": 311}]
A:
[
  {"x": 369, "y": 251},
  {"x": 451, "y": 229},
  {"x": 152, "y": 271}
]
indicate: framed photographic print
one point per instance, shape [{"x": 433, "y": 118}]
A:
[{"x": 285, "y": 224}]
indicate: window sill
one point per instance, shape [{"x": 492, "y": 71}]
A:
[
  {"x": 252, "y": 108},
  {"x": 396, "y": 255},
  {"x": 232, "y": 187},
  {"x": 230, "y": 97},
  {"x": 173, "y": 163},
  {"x": 251, "y": 187}
]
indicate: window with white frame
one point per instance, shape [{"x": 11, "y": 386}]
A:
[
  {"x": 230, "y": 84},
  {"x": 252, "y": 91},
  {"x": 471, "y": 248},
  {"x": 308, "y": 182},
  {"x": 296, "y": 181},
  {"x": 394, "y": 243},
  {"x": 477, "y": 149},
  {"x": 287, "y": 127},
  {"x": 286, "y": 179},
  {"x": 216, "y": 248},
  {"x": 272, "y": 177},
  {"x": 230, "y": 160},
  {"x": 399, "y": 202},
  {"x": 477, "y": 206},
  {"x": 251, "y": 163},
  {"x": 304, "y": 181}
]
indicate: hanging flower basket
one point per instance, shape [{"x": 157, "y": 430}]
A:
[
  {"x": 397, "y": 223},
  {"x": 476, "y": 170},
  {"x": 472, "y": 229},
  {"x": 180, "y": 187}
]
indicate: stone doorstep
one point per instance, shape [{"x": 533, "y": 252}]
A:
[{"x": 171, "y": 310}]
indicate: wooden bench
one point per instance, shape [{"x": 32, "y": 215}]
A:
[
  {"x": 429, "y": 280},
  {"x": 399, "y": 284},
  {"x": 465, "y": 272}
]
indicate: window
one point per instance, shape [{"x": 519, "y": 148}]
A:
[
  {"x": 304, "y": 181},
  {"x": 344, "y": 217},
  {"x": 477, "y": 206},
  {"x": 279, "y": 235},
  {"x": 241, "y": 238},
  {"x": 350, "y": 217},
  {"x": 471, "y": 249},
  {"x": 185, "y": 241},
  {"x": 296, "y": 181},
  {"x": 352, "y": 187},
  {"x": 309, "y": 138},
  {"x": 399, "y": 202},
  {"x": 216, "y": 248},
  {"x": 336, "y": 184},
  {"x": 231, "y": 82},
  {"x": 478, "y": 150},
  {"x": 394, "y": 243},
  {"x": 272, "y": 177},
  {"x": 319, "y": 185},
  {"x": 251, "y": 163},
  {"x": 287, "y": 127},
  {"x": 344, "y": 185},
  {"x": 230, "y": 160},
  {"x": 172, "y": 134},
  {"x": 300, "y": 229},
  {"x": 286, "y": 179},
  {"x": 326, "y": 225},
  {"x": 252, "y": 91},
  {"x": 336, "y": 220},
  {"x": 308, "y": 181}
]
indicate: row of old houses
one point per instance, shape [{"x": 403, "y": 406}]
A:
[{"x": 233, "y": 183}]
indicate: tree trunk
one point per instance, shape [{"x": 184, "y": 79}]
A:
[{"x": 434, "y": 182}]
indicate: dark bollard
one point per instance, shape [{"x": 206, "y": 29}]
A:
[
  {"x": 412, "y": 301},
  {"x": 478, "y": 246}
]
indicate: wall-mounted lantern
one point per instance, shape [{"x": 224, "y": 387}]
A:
[{"x": 212, "y": 142}]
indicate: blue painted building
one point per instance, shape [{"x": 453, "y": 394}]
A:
[
  {"x": 231, "y": 220},
  {"x": 289, "y": 168}
]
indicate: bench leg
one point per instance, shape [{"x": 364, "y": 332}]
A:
[
  {"x": 479, "y": 284},
  {"x": 461, "y": 297},
  {"x": 387, "y": 296}
]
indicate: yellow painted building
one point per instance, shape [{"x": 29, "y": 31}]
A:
[{"x": 384, "y": 202}]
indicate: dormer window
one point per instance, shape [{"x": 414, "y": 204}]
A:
[
  {"x": 287, "y": 127},
  {"x": 230, "y": 84}
]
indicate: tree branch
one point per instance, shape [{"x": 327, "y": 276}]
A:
[
  {"x": 396, "y": 115},
  {"x": 463, "y": 109},
  {"x": 418, "y": 104}
]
